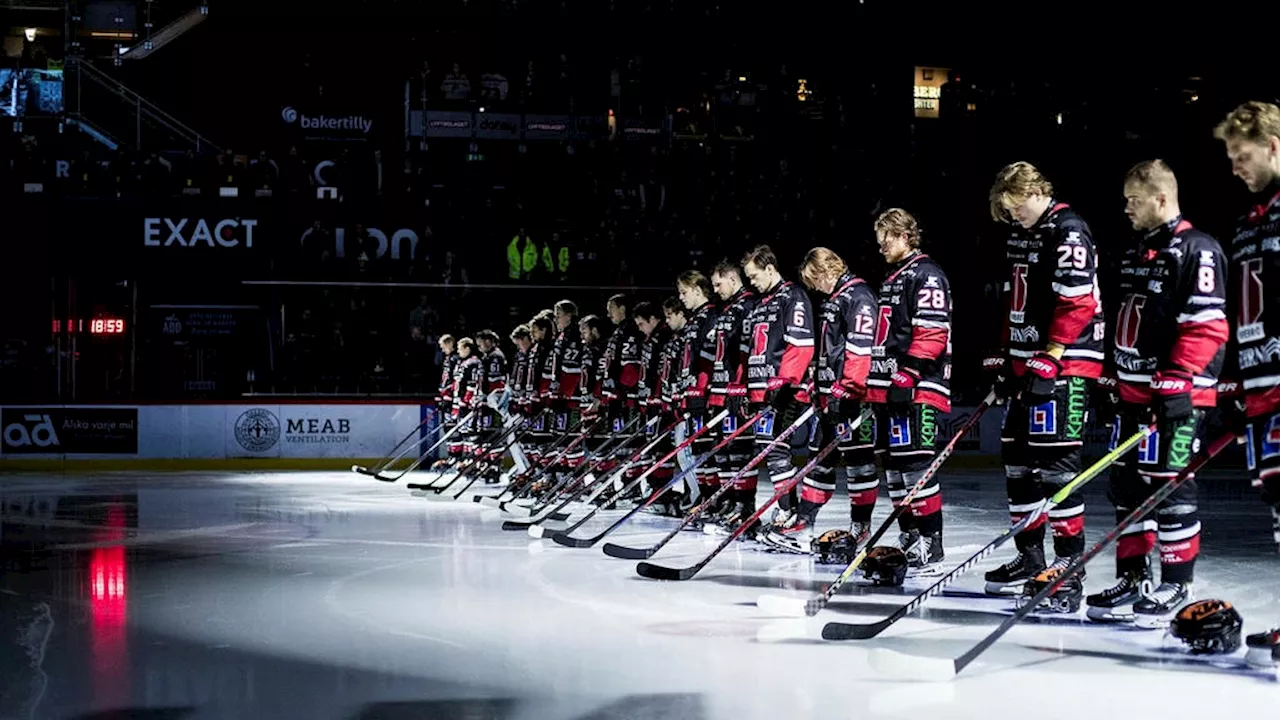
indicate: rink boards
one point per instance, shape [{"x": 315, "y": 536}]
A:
[
  {"x": 205, "y": 436},
  {"x": 281, "y": 436}
]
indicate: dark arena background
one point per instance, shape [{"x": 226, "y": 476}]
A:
[{"x": 246, "y": 472}]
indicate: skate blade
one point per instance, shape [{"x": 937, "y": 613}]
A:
[
  {"x": 1110, "y": 616},
  {"x": 1153, "y": 622},
  {"x": 1003, "y": 589}
]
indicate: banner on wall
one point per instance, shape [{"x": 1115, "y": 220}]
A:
[{"x": 47, "y": 430}]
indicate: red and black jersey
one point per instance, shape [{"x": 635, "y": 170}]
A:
[
  {"x": 539, "y": 378},
  {"x": 698, "y": 353},
  {"x": 564, "y": 363},
  {"x": 466, "y": 384},
  {"x": 843, "y": 359},
  {"x": 913, "y": 329},
  {"x": 621, "y": 367},
  {"x": 1254, "y": 352},
  {"x": 495, "y": 372},
  {"x": 727, "y": 368},
  {"x": 447, "y": 369},
  {"x": 519, "y": 376},
  {"x": 780, "y": 342},
  {"x": 591, "y": 379},
  {"x": 672, "y": 354},
  {"x": 1052, "y": 293},
  {"x": 648, "y": 389},
  {"x": 1173, "y": 312}
]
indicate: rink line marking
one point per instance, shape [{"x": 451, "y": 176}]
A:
[
  {"x": 331, "y": 599},
  {"x": 152, "y": 537}
]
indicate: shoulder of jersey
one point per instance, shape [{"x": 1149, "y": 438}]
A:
[{"x": 1068, "y": 219}]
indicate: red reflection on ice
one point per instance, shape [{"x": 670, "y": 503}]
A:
[{"x": 108, "y": 583}]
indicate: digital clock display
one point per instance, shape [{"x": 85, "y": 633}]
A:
[{"x": 95, "y": 326}]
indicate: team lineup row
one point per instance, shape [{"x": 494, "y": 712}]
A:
[{"x": 742, "y": 358}]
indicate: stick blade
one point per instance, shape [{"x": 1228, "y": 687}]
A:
[
  {"x": 514, "y": 525},
  {"x": 562, "y": 538},
  {"x": 852, "y": 631},
  {"x": 782, "y": 605},
  {"x": 517, "y": 510},
  {"x": 360, "y": 469},
  {"x": 627, "y": 553},
  {"x": 383, "y": 478},
  {"x": 417, "y": 486},
  {"x": 912, "y": 667},
  {"x": 661, "y": 572},
  {"x": 489, "y": 502}
]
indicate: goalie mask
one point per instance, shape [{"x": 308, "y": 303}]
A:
[
  {"x": 835, "y": 547},
  {"x": 885, "y": 565},
  {"x": 1208, "y": 626},
  {"x": 1064, "y": 599}
]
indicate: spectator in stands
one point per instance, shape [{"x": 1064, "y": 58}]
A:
[
  {"x": 456, "y": 86},
  {"x": 493, "y": 89}
]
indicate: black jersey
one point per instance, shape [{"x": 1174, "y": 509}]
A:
[
  {"x": 1255, "y": 336},
  {"x": 727, "y": 376},
  {"x": 698, "y": 354},
  {"x": 1052, "y": 293},
  {"x": 913, "y": 328},
  {"x": 780, "y": 329},
  {"x": 1172, "y": 312},
  {"x": 845, "y": 339},
  {"x": 620, "y": 362},
  {"x": 495, "y": 372}
]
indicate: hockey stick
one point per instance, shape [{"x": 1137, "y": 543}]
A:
[
  {"x": 480, "y": 460},
  {"x": 629, "y": 553},
  {"x": 849, "y": 631},
  {"x": 792, "y": 606},
  {"x": 538, "y": 468},
  {"x": 575, "y": 487},
  {"x": 662, "y": 572},
  {"x": 896, "y": 663},
  {"x": 463, "y": 467},
  {"x": 422, "y": 457},
  {"x": 562, "y": 537},
  {"x": 398, "y": 454},
  {"x": 536, "y": 530},
  {"x": 529, "y": 483}
]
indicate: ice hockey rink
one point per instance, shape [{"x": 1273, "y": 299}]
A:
[{"x": 332, "y": 595}]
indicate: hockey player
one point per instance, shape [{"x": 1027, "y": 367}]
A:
[
  {"x": 491, "y": 411},
  {"x": 563, "y": 373},
  {"x": 728, "y": 388},
  {"x": 1168, "y": 349},
  {"x": 620, "y": 371},
  {"x": 467, "y": 378},
  {"x": 519, "y": 404},
  {"x": 843, "y": 359},
  {"x": 591, "y": 329},
  {"x": 695, "y": 368},
  {"x": 537, "y": 389},
  {"x": 444, "y": 396},
  {"x": 1050, "y": 356},
  {"x": 780, "y": 341},
  {"x": 910, "y": 382},
  {"x": 1251, "y": 134}
]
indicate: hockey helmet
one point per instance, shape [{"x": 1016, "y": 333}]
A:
[
  {"x": 885, "y": 565},
  {"x": 1064, "y": 599},
  {"x": 836, "y": 547},
  {"x": 1208, "y": 626}
]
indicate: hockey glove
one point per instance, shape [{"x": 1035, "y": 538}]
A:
[
  {"x": 735, "y": 401},
  {"x": 1171, "y": 394},
  {"x": 902, "y": 388},
  {"x": 780, "y": 394},
  {"x": 1042, "y": 374},
  {"x": 997, "y": 366}
]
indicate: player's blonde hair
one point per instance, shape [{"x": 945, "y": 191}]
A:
[
  {"x": 1014, "y": 183},
  {"x": 896, "y": 221},
  {"x": 1253, "y": 121},
  {"x": 819, "y": 263},
  {"x": 1153, "y": 176}
]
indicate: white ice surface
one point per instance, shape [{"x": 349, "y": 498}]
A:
[{"x": 339, "y": 594}]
